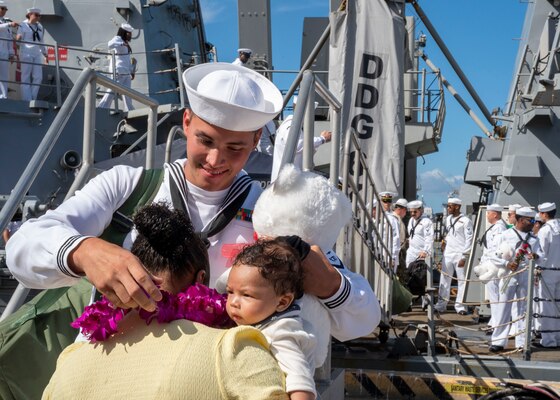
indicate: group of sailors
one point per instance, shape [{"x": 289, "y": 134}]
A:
[
  {"x": 33, "y": 54},
  {"x": 32, "y": 51},
  {"x": 512, "y": 246}
]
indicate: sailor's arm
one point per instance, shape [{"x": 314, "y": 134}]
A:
[
  {"x": 429, "y": 236},
  {"x": 61, "y": 246},
  {"x": 353, "y": 307}
]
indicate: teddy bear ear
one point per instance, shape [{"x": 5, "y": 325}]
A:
[{"x": 287, "y": 178}]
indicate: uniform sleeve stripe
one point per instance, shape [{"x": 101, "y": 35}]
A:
[
  {"x": 61, "y": 256},
  {"x": 341, "y": 298}
]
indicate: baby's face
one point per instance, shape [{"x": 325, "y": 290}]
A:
[{"x": 251, "y": 298}]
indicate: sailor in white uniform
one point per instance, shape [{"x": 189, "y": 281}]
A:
[
  {"x": 386, "y": 202},
  {"x": 488, "y": 241},
  {"x": 229, "y": 106},
  {"x": 282, "y": 138},
  {"x": 244, "y": 55},
  {"x": 420, "y": 234},
  {"x": 32, "y": 55},
  {"x": 7, "y": 53},
  {"x": 458, "y": 242},
  {"x": 515, "y": 286},
  {"x": 124, "y": 69},
  {"x": 549, "y": 282}
]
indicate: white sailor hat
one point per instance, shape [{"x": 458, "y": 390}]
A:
[
  {"x": 454, "y": 200},
  {"x": 127, "y": 27},
  {"x": 525, "y": 212},
  {"x": 3, "y": 4},
  {"x": 401, "y": 203},
  {"x": 514, "y": 207},
  {"x": 231, "y": 96},
  {"x": 546, "y": 207},
  {"x": 33, "y": 10},
  {"x": 315, "y": 104},
  {"x": 414, "y": 204},
  {"x": 538, "y": 217},
  {"x": 374, "y": 202},
  {"x": 245, "y": 50},
  {"x": 494, "y": 207}
]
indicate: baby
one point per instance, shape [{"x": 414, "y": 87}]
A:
[{"x": 265, "y": 279}]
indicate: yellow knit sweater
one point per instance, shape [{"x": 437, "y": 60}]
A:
[{"x": 178, "y": 360}]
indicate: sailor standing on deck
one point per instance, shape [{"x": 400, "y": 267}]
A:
[
  {"x": 32, "y": 55},
  {"x": 386, "y": 201},
  {"x": 125, "y": 66},
  {"x": 229, "y": 106},
  {"x": 458, "y": 242},
  {"x": 488, "y": 242},
  {"x": 7, "y": 53},
  {"x": 512, "y": 286},
  {"x": 420, "y": 234},
  {"x": 244, "y": 55},
  {"x": 549, "y": 282}
]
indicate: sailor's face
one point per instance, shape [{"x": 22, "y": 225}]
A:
[
  {"x": 3, "y": 11},
  {"x": 215, "y": 155}
]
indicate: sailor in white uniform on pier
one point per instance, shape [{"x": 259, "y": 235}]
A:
[
  {"x": 458, "y": 240},
  {"x": 514, "y": 287},
  {"x": 549, "y": 281},
  {"x": 229, "y": 106},
  {"x": 420, "y": 234},
  {"x": 488, "y": 242}
]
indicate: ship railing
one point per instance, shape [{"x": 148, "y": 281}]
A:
[
  {"x": 365, "y": 247},
  {"x": 101, "y": 62},
  {"x": 84, "y": 86},
  {"x": 429, "y": 100}
]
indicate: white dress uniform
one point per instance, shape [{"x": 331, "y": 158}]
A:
[
  {"x": 6, "y": 51},
  {"x": 549, "y": 240},
  {"x": 280, "y": 144},
  {"x": 458, "y": 245},
  {"x": 394, "y": 221},
  {"x": 489, "y": 241},
  {"x": 31, "y": 55},
  {"x": 516, "y": 287},
  {"x": 420, "y": 238},
  {"x": 237, "y": 61},
  {"x": 353, "y": 309},
  {"x": 124, "y": 70}
]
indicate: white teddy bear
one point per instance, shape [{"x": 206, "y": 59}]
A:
[
  {"x": 488, "y": 270},
  {"x": 307, "y": 205}
]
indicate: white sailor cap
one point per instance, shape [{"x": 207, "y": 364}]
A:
[
  {"x": 127, "y": 27},
  {"x": 494, "y": 207},
  {"x": 245, "y": 50},
  {"x": 514, "y": 207},
  {"x": 415, "y": 204},
  {"x": 3, "y": 4},
  {"x": 538, "y": 217},
  {"x": 525, "y": 212},
  {"x": 316, "y": 104},
  {"x": 33, "y": 10},
  {"x": 454, "y": 200},
  {"x": 547, "y": 207},
  {"x": 401, "y": 203},
  {"x": 231, "y": 96},
  {"x": 374, "y": 203}
]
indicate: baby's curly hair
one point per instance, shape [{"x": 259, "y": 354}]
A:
[
  {"x": 167, "y": 242},
  {"x": 277, "y": 262}
]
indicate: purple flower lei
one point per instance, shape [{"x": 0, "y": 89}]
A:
[{"x": 197, "y": 303}]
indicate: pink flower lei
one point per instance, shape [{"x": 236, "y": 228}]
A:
[{"x": 196, "y": 303}]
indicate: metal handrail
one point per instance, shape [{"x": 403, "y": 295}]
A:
[{"x": 86, "y": 82}]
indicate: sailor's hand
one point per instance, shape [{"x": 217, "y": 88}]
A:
[
  {"x": 512, "y": 266},
  {"x": 461, "y": 263},
  {"x": 422, "y": 255},
  {"x": 320, "y": 277},
  {"x": 116, "y": 273},
  {"x": 14, "y": 24},
  {"x": 442, "y": 246},
  {"x": 326, "y": 135}
]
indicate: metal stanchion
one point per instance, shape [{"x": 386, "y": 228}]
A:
[{"x": 529, "y": 311}]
